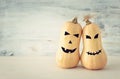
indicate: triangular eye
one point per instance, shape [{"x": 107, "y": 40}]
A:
[
  {"x": 76, "y": 35},
  {"x": 96, "y": 36},
  {"x": 88, "y": 37},
  {"x": 66, "y": 33}
]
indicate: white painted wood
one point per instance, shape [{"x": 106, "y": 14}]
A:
[{"x": 32, "y": 27}]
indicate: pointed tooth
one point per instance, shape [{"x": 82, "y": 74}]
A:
[
  {"x": 88, "y": 53},
  {"x": 93, "y": 53}
]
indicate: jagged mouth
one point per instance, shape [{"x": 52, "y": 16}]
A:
[
  {"x": 94, "y": 53},
  {"x": 68, "y": 50}
]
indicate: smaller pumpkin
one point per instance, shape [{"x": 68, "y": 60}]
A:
[
  {"x": 68, "y": 52},
  {"x": 93, "y": 55}
]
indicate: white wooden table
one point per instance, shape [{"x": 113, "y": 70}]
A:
[{"x": 44, "y": 67}]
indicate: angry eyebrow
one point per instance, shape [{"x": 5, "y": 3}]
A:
[
  {"x": 88, "y": 37},
  {"x": 96, "y": 36},
  {"x": 66, "y": 33}
]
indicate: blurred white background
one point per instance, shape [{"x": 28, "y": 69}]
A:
[{"x": 32, "y": 27}]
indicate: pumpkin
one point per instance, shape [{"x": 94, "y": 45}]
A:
[
  {"x": 68, "y": 52},
  {"x": 93, "y": 55}
]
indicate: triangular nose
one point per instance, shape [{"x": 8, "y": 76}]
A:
[{"x": 70, "y": 42}]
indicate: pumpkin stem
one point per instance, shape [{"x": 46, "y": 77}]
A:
[
  {"x": 86, "y": 19},
  {"x": 74, "y": 20},
  {"x": 88, "y": 22}
]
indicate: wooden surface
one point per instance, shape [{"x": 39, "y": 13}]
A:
[{"x": 45, "y": 68}]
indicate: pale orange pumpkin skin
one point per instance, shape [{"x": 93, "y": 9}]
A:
[
  {"x": 69, "y": 60},
  {"x": 97, "y": 61}
]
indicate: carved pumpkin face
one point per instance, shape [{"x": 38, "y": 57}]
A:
[
  {"x": 68, "y": 51},
  {"x": 93, "y": 55}
]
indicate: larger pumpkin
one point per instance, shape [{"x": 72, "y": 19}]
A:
[
  {"x": 93, "y": 55},
  {"x": 68, "y": 52}
]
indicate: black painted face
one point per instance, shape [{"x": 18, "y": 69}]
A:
[
  {"x": 67, "y": 33},
  {"x": 96, "y": 52},
  {"x": 69, "y": 42},
  {"x": 68, "y": 50},
  {"x": 89, "y": 37}
]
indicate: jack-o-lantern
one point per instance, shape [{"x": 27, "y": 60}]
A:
[
  {"x": 93, "y": 55},
  {"x": 68, "y": 52}
]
